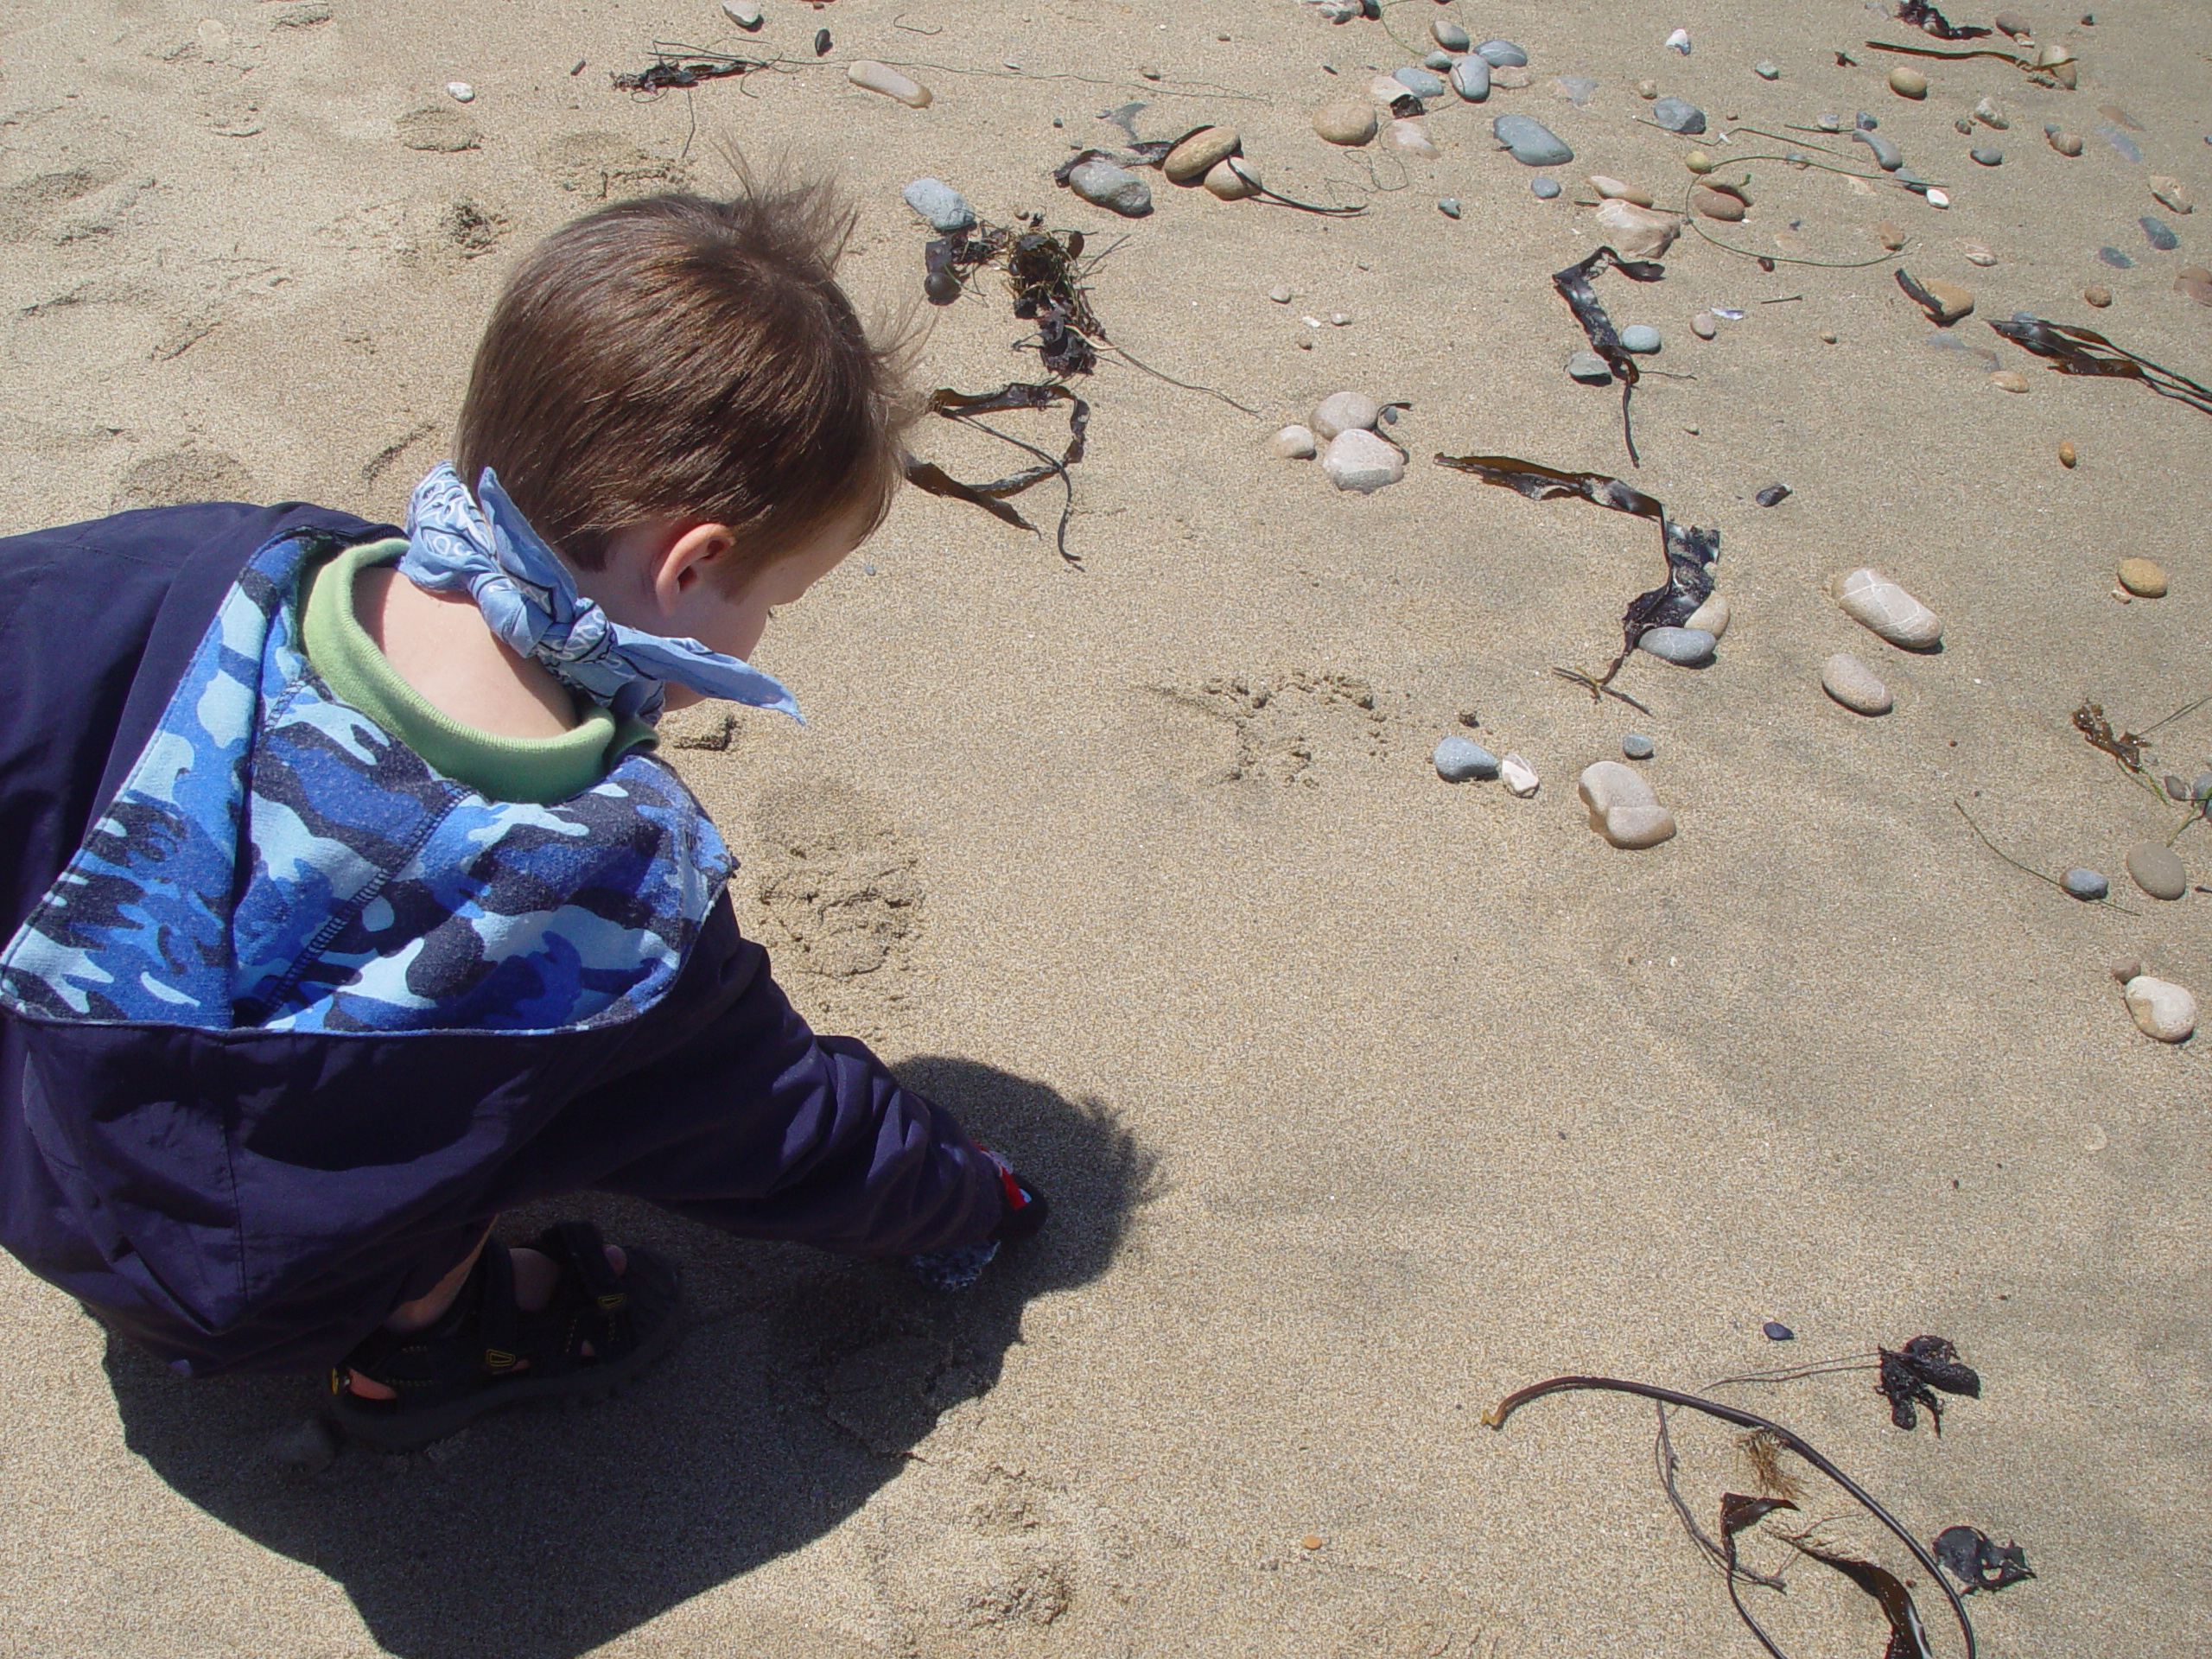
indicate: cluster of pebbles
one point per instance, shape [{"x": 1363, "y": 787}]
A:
[{"x": 1342, "y": 430}]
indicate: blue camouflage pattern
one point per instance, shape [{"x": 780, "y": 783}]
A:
[{"x": 276, "y": 860}]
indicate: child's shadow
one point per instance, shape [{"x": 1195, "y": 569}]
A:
[{"x": 796, "y": 1387}]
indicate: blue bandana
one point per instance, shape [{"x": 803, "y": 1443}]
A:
[{"x": 531, "y": 600}]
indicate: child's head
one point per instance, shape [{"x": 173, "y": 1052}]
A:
[{"x": 677, "y": 361}]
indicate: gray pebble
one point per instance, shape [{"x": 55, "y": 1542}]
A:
[
  {"x": 1987, "y": 155},
  {"x": 1459, "y": 759},
  {"x": 1448, "y": 206},
  {"x": 2158, "y": 870},
  {"x": 1105, "y": 184},
  {"x": 1501, "y": 54},
  {"x": 1866, "y": 122},
  {"x": 2202, "y": 789},
  {"x": 2120, "y": 141},
  {"x": 1887, "y": 156},
  {"x": 1420, "y": 82},
  {"x": 1678, "y": 115},
  {"x": 1774, "y": 1331},
  {"x": 1686, "y": 646},
  {"x": 1636, "y": 747},
  {"x": 1449, "y": 35},
  {"x": 1532, "y": 143},
  {"x": 308, "y": 1445},
  {"x": 1470, "y": 80},
  {"x": 940, "y": 288},
  {"x": 1279, "y": 295},
  {"x": 1545, "y": 188},
  {"x": 1766, "y": 71},
  {"x": 1829, "y": 123},
  {"x": 1640, "y": 337},
  {"x": 2161, "y": 233},
  {"x": 944, "y": 207},
  {"x": 2086, "y": 884},
  {"x": 2115, "y": 258},
  {"x": 1589, "y": 369},
  {"x": 1442, "y": 62}
]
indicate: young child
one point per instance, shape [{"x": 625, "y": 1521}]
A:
[{"x": 347, "y": 903}]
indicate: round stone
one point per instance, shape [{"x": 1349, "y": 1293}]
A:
[
  {"x": 2085, "y": 885},
  {"x": 1296, "y": 443},
  {"x": 460, "y": 91},
  {"x": 1640, "y": 337},
  {"x": 1501, "y": 54},
  {"x": 1470, "y": 80},
  {"x": 2008, "y": 380},
  {"x": 2162, "y": 1009},
  {"x": 1678, "y": 115},
  {"x": 2145, "y": 578},
  {"x": 1907, "y": 83},
  {"x": 1871, "y": 598},
  {"x": 1774, "y": 1331},
  {"x": 1449, "y": 35},
  {"x": 1544, "y": 189},
  {"x": 1589, "y": 369},
  {"x": 1705, "y": 325},
  {"x": 1103, "y": 184},
  {"x": 1198, "y": 154},
  {"x": 1686, "y": 647},
  {"x": 1854, "y": 685},
  {"x": 2065, "y": 143},
  {"x": 2067, "y": 457},
  {"x": 1718, "y": 204},
  {"x": 1636, "y": 747},
  {"x": 1231, "y": 179},
  {"x": 945, "y": 209},
  {"x": 1711, "y": 616},
  {"x": 1530, "y": 142},
  {"x": 1448, "y": 206},
  {"x": 1767, "y": 71},
  {"x": 1348, "y": 122},
  {"x": 1442, "y": 62},
  {"x": 871, "y": 76},
  {"x": 1647, "y": 90},
  {"x": 2157, "y": 870},
  {"x": 1280, "y": 295},
  {"x": 2098, "y": 295},
  {"x": 1344, "y": 411},
  {"x": 1422, "y": 83},
  {"x": 2124, "y": 968},
  {"x": 1459, "y": 759},
  {"x": 1987, "y": 155},
  {"x": 1622, "y": 807},
  {"x": 1357, "y": 460}
]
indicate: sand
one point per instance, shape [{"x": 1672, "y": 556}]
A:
[{"x": 1364, "y": 1097}]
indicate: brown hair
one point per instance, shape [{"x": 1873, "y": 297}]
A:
[{"x": 678, "y": 356}]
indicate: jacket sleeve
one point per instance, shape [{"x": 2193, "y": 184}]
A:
[{"x": 747, "y": 1121}]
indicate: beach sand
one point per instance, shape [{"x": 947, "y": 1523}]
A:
[{"x": 1364, "y": 1098}]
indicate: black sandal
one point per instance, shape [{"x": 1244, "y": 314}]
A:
[{"x": 486, "y": 1354}]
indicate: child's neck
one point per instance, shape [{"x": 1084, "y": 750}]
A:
[{"x": 441, "y": 644}]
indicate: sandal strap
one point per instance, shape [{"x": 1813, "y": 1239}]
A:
[
  {"x": 480, "y": 1336},
  {"x": 591, "y": 1304}
]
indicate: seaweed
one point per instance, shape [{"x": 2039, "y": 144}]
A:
[
  {"x": 1910, "y": 1375},
  {"x": 1738, "y": 1512},
  {"x": 1908, "y": 1639},
  {"x": 1043, "y": 271},
  {"x": 1922, "y": 16},
  {"x": 681, "y": 67},
  {"x": 2057, "y": 74},
  {"x": 1690, "y": 551},
  {"x": 1662, "y": 1453},
  {"x": 1979, "y": 1564},
  {"x": 991, "y": 497},
  {"x": 2071, "y": 350},
  {"x": 1574, "y": 286}
]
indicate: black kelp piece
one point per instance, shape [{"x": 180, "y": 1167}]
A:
[
  {"x": 1691, "y": 552},
  {"x": 1979, "y": 1564},
  {"x": 1908, "y": 1639},
  {"x": 1921, "y": 15},
  {"x": 1574, "y": 287},
  {"x": 680, "y": 66},
  {"x": 1909, "y": 1377},
  {"x": 1043, "y": 271},
  {"x": 2071, "y": 350},
  {"x": 1738, "y": 1512},
  {"x": 991, "y": 497},
  {"x": 1921, "y": 297}
]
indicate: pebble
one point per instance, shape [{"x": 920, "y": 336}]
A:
[
  {"x": 2065, "y": 143},
  {"x": 1589, "y": 369},
  {"x": 1198, "y": 154},
  {"x": 1887, "y": 156},
  {"x": 1636, "y": 747},
  {"x": 1978, "y": 255},
  {"x": 308, "y": 1445},
  {"x": 1357, "y": 460},
  {"x": 1448, "y": 206},
  {"x": 1150, "y": 70},
  {"x": 2086, "y": 885},
  {"x": 1613, "y": 190},
  {"x": 2124, "y": 968},
  {"x": 1623, "y": 808},
  {"x": 1312, "y": 1541},
  {"x": 1775, "y": 494},
  {"x": 2067, "y": 458},
  {"x": 1442, "y": 62},
  {"x": 1104, "y": 184},
  {"x": 1871, "y": 598},
  {"x": 1678, "y": 115},
  {"x": 1532, "y": 143},
  {"x": 1711, "y": 616},
  {"x": 2159, "y": 233},
  {"x": 1344, "y": 411},
  {"x": 2202, "y": 789},
  {"x": 1774, "y": 1331},
  {"x": 1705, "y": 325},
  {"x": 1891, "y": 236},
  {"x": 941, "y": 288},
  {"x": 2162, "y": 1008},
  {"x": 1281, "y": 295},
  {"x": 1987, "y": 157},
  {"x": 1952, "y": 300},
  {"x": 1637, "y": 233},
  {"x": 1512, "y": 79},
  {"x": 944, "y": 207},
  {"x": 1420, "y": 82},
  {"x": 1232, "y": 179},
  {"x": 2157, "y": 870},
  {"x": 1907, "y": 83},
  {"x": 1519, "y": 777},
  {"x": 2172, "y": 192},
  {"x": 875, "y": 77},
  {"x": 2013, "y": 24},
  {"x": 1829, "y": 123},
  {"x": 1449, "y": 35},
  {"x": 746, "y": 14},
  {"x": 1501, "y": 54},
  {"x": 1409, "y": 133},
  {"x": 1640, "y": 337},
  {"x": 1339, "y": 319},
  {"x": 2098, "y": 295},
  {"x": 2145, "y": 578},
  {"x": 1459, "y": 759},
  {"x": 1854, "y": 685},
  {"x": 1685, "y": 648},
  {"x": 2008, "y": 380},
  {"x": 1348, "y": 122},
  {"x": 1647, "y": 90},
  {"x": 1718, "y": 204},
  {"x": 1470, "y": 80},
  {"x": 1864, "y": 122},
  {"x": 461, "y": 92},
  {"x": 1544, "y": 189},
  {"x": 1680, "y": 40},
  {"x": 1767, "y": 71},
  {"x": 1990, "y": 113},
  {"x": 1296, "y": 443}
]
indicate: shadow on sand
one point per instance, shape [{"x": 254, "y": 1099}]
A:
[{"x": 799, "y": 1382}]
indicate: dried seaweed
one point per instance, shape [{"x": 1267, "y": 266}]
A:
[
  {"x": 1574, "y": 287},
  {"x": 1910, "y": 1374},
  {"x": 683, "y": 67},
  {"x": 1663, "y": 1454},
  {"x": 1738, "y": 1512},
  {"x": 2127, "y": 748},
  {"x": 2041, "y": 74},
  {"x": 1979, "y": 1564},
  {"x": 1904, "y": 1619},
  {"x": 1763, "y": 1454},
  {"x": 1689, "y": 550},
  {"x": 991, "y": 497},
  {"x": 1922, "y": 16},
  {"x": 1043, "y": 270},
  {"x": 2071, "y": 350}
]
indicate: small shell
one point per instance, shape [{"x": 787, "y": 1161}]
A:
[{"x": 1871, "y": 598}]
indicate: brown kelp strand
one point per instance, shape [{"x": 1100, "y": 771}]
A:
[
  {"x": 991, "y": 497},
  {"x": 1574, "y": 287}
]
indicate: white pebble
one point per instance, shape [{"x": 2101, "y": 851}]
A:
[
  {"x": 1279, "y": 295},
  {"x": 1409, "y": 134},
  {"x": 1519, "y": 777},
  {"x": 1296, "y": 443},
  {"x": 1344, "y": 411},
  {"x": 1623, "y": 808},
  {"x": 879, "y": 78},
  {"x": 1357, "y": 460},
  {"x": 1869, "y": 597},
  {"x": 746, "y": 14},
  {"x": 2162, "y": 1008},
  {"x": 1854, "y": 685},
  {"x": 461, "y": 91}
]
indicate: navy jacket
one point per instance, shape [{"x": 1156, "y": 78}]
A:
[{"x": 236, "y": 1196}]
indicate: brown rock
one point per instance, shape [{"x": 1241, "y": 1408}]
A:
[
  {"x": 1232, "y": 179},
  {"x": 2013, "y": 24},
  {"x": 1953, "y": 301},
  {"x": 2098, "y": 295},
  {"x": 1705, "y": 325},
  {"x": 2067, "y": 458},
  {"x": 1195, "y": 156},
  {"x": 1718, "y": 204},
  {"x": 1348, "y": 122},
  {"x": 1614, "y": 190},
  {"x": 2145, "y": 578},
  {"x": 2195, "y": 282},
  {"x": 1891, "y": 236},
  {"x": 2065, "y": 143},
  {"x": 1907, "y": 83},
  {"x": 2008, "y": 380},
  {"x": 1637, "y": 233}
]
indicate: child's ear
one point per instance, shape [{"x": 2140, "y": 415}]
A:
[{"x": 686, "y": 559}]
